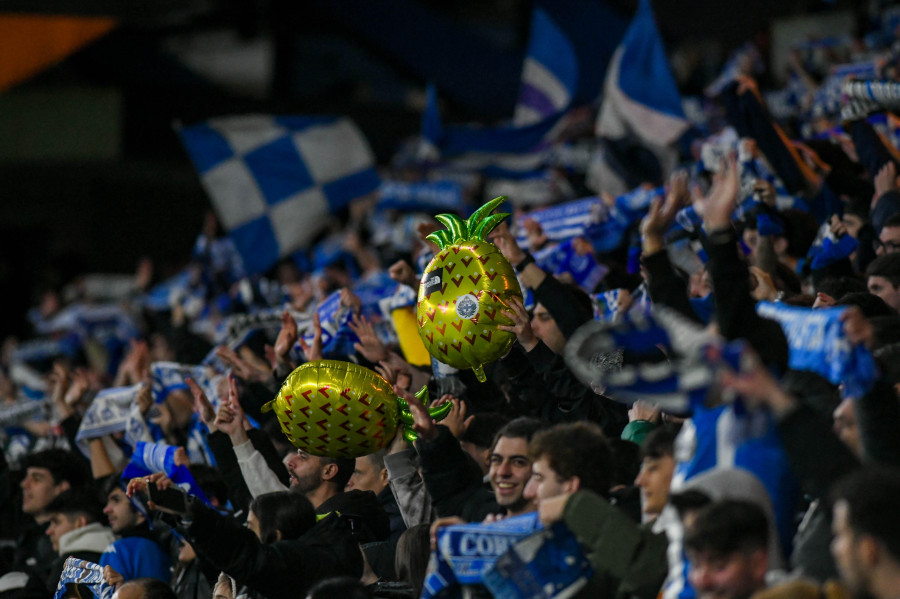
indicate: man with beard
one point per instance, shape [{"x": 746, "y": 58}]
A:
[
  {"x": 318, "y": 478},
  {"x": 866, "y": 524},
  {"x": 322, "y": 481}
]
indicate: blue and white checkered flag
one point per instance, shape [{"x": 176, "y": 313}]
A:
[{"x": 274, "y": 180}]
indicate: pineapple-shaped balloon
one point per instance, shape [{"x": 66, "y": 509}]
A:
[
  {"x": 339, "y": 409},
  {"x": 463, "y": 292}
]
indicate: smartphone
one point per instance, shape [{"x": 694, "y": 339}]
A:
[{"x": 172, "y": 499}]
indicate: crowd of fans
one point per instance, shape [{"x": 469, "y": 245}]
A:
[{"x": 775, "y": 480}]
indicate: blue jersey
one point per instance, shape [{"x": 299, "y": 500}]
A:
[{"x": 137, "y": 557}]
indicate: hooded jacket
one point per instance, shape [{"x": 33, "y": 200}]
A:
[
  {"x": 93, "y": 537},
  {"x": 87, "y": 543},
  {"x": 138, "y": 555}
]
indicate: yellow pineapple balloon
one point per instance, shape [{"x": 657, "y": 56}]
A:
[
  {"x": 463, "y": 292},
  {"x": 339, "y": 409}
]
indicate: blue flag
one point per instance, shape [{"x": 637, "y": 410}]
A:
[
  {"x": 640, "y": 95},
  {"x": 275, "y": 180},
  {"x": 508, "y": 152},
  {"x": 550, "y": 72}
]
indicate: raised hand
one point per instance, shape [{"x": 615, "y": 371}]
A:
[
  {"x": 313, "y": 351},
  {"x": 202, "y": 406},
  {"x": 758, "y": 386},
  {"x": 240, "y": 366},
  {"x": 60, "y": 381},
  {"x": 506, "y": 243},
  {"x": 230, "y": 419},
  {"x": 425, "y": 229},
  {"x": 456, "y": 420},
  {"x": 643, "y": 410},
  {"x": 662, "y": 211},
  {"x": 423, "y": 424},
  {"x": 370, "y": 346},
  {"x": 78, "y": 387},
  {"x": 765, "y": 290},
  {"x": 144, "y": 399},
  {"x": 349, "y": 299},
  {"x": 720, "y": 203},
  {"x": 837, "y": 227},
  {"x": 403, "y": 273},
  {"x": 885, "y": 180},
  {"x": 521, "y": 326},
  {"x": 287, "y": 338},
  {"x": 112, "y": 578}
]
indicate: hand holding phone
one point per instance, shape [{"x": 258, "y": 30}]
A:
[{"x": 171, "y": 500}]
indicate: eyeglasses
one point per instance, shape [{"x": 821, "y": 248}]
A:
[{"x": 888, "y": 246}]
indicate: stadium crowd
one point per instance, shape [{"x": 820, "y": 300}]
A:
[{"x": 767, "y": 466}]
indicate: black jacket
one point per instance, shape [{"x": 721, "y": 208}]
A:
[
  {"x": 454, "y": 480},
  {"x": 367, "y": 517},
  {"x": 280, "y": 570}
]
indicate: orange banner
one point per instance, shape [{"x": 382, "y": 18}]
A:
[{"x": 31, "y": 43}]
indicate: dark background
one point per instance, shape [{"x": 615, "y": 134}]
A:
[{"x": 69, "y": 211}]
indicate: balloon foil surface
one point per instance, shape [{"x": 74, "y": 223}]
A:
[
  {"x": 463, "y": 292},
  {"x": 336, "y": 409}
]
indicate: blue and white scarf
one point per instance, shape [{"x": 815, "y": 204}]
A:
[
  {"x": 817, "y": 343},
  {"x": 425, "y": 196},
  {"x": 663, "y": 357},
  {"x": 166, "y": 377},
  {"x": 110, "y": 412},
  {"x": 45, "y": 348},
  {"x": 22, "y": 410},
  {"x": 560, "y": 222},
  {"x": 549, "y": 562},
  {"x": 561, "y": 259},
  {"x": 464, "y": 552},
  {"x": 334, "y": 318},
  {"x": 149, "y": 458},
  {"x": 87, "y": 574}
]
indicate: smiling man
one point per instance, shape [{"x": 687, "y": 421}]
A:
[
  {"x": 509, "y": 473},
  {"x": 455, "y": 481}
]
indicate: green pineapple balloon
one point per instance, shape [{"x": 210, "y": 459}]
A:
[{"x": 463, "y": 292}]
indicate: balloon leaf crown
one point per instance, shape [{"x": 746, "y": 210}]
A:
[{"x": 473, "y": 228}]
